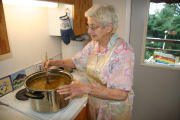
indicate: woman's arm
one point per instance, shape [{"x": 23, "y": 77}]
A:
[
  {"x": 66, "y": 63},
  {"x": 78, "y": 89},
  {"x": 108, "y": 93}
]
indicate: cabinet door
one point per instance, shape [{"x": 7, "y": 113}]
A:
[
  {"x": 79, "y": 25},
  {"x": 4, "y": 44},
  {"x": 83, "y": 115}
]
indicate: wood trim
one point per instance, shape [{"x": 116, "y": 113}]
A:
[
  {"x": 60, "y": 1},
  {"x": 163, "y": 40},
  {"x": 67, "y": 1},
  {"x": 49, "y": 0},
  {"x": 151, "y": 48},
  {"x": 4, "y": 44}
]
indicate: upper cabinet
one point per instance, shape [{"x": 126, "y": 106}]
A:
[
  {"x": 80, "y": 22},
  {"x": 4, "y": 44},
  {"x": 55, "y": 23},
  {"x": 79, "y": 8}
]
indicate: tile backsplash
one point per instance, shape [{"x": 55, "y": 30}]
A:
[
  {"x": 15, "y": 80},
  {"x": 5, "y": 85}
]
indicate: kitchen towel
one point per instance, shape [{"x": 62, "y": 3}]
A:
[{"x": 66, "y": 29}]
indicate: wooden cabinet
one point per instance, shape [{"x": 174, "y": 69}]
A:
[
  {"x": 79, "y": 8},
  {"x": 83, "y": 114},
  {"x": 4, "y": 44},
  {"x": 80, "y": 22}
]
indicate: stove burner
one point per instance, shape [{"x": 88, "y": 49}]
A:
[{"x": 20, "y": 95}]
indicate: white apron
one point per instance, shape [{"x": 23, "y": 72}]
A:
[{"x": 100, "y": 109}]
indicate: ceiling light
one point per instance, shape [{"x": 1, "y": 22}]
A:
[{"x": 31, "y": 3}]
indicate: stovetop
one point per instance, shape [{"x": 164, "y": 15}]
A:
[
  {"x": 21, "y": 94},
  {"x": 24, "y": 107}
]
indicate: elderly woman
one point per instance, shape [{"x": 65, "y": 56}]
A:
[{"x": 108, "y": 62}]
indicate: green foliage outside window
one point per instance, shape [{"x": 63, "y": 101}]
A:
[{"x": 168, "y": 19}]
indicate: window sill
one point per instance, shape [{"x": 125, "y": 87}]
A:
[{"x": 157, "y": 65}]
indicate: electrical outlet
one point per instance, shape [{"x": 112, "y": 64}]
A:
[{"x": 38, "y": 67}]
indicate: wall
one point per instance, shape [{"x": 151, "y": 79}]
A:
[
  {"x": 28, "y": 35},
  {"x": 156, "y": 89},
  {"x": 123, "y": 10},
  {"x": 27, "y": 29}
]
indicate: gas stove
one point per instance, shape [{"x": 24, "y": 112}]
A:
[{"x": 24, "y": 106}]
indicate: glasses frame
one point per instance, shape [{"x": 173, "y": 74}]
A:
[{"x": 93, "y": 27}]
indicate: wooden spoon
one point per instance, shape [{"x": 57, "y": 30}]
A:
[{"x": 47, "y": 78}]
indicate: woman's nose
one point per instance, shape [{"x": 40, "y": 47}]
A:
[{"x": 89, "y": 31}]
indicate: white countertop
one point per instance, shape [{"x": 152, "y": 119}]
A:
[{"x": 24, "y": 111}]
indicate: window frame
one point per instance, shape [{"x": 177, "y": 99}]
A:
[{"x": 143, "y": 50}]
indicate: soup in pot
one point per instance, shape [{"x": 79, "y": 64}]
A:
[{"x": 54, "y": 82}]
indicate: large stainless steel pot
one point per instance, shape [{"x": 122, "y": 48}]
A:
[{"x": 46, "y": 100}]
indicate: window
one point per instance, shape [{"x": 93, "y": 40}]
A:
[{"x": 162, "y": 46}]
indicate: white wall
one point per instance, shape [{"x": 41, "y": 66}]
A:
[
  {"x": 27, "y": 29},
  {"x": 123, "y": 8},
  {"x": 156, "y": 89}
]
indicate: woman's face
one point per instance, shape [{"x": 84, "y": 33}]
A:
[{"x": 96, "y": 30}]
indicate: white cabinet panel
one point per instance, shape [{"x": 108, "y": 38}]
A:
[
  {"x": 70, "y": 50},
  {"x": 53, "y": 18}
]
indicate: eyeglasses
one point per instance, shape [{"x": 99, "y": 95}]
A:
[{"x": 92, "y": 27}]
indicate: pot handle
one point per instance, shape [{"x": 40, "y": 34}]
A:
[
  {"x": 34, "y": 96},
  {"x": 56, "y": 69},
  {"x": 61, "y": 68}
]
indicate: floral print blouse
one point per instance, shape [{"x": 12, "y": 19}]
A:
[{"x": 118, "y": 73}]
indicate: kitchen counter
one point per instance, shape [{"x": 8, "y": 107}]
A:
[
  {"x": 21, "y": 110},
  {"x": 9, "y": 113}
]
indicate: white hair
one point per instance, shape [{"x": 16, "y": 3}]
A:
[{"x": 105, "y": 14}]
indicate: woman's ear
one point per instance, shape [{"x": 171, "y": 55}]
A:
[{"x": 109, "y": 27}]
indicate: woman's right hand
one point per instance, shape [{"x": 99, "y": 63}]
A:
[
  {"x": 46, "y": 64},
  {"x": 67, "y": 63}
]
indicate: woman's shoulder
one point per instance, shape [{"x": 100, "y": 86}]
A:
[
  {"x": 123, "y": 45},
  {"x": 90, "y": 45}
]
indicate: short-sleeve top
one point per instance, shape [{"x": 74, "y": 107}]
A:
[{"x": 118, "y": 72}]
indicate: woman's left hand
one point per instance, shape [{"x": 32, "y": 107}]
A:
[{"x": 75, "y": 89}]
